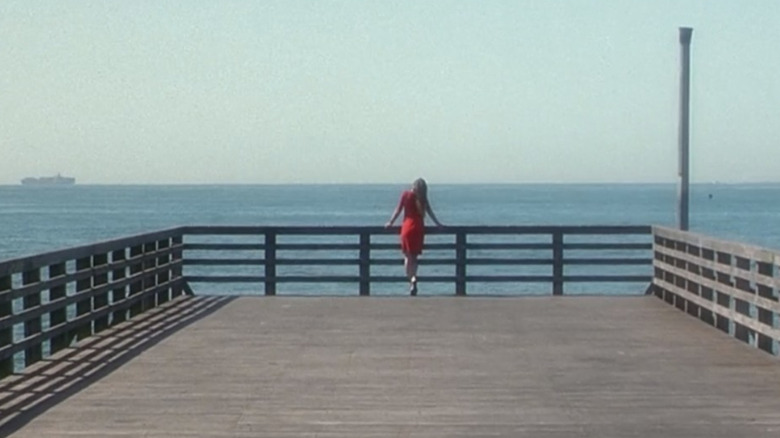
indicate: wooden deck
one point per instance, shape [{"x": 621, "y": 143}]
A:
[{"x": 402, "y": 367}]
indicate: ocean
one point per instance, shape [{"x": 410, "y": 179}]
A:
[{"x": 35, "y": 219}]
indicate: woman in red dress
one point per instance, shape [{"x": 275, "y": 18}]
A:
[{"x": 415, "y": 205}]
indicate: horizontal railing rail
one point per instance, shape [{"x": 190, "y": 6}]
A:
[
  {"x": 51, "y": 300},
  {"x": 729, "y": 285},
  {"x": 551, "y": 253}
]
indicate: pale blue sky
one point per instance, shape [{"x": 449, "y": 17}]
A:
[{"x": 228, "y": 91}]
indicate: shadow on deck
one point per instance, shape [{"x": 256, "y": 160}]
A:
[{"x": 25, "y": 396}]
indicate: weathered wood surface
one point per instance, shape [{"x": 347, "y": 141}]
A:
[
  {"x": 726, "y": 284},
  {"x": 408, "y": 367}
]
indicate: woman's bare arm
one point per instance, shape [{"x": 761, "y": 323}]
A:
[{"x": 395, "y": 214}]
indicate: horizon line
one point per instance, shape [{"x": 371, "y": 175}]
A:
[{"x": 183, "y": 184}]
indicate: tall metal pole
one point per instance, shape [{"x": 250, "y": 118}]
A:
[{"x": 684, "y": 135}]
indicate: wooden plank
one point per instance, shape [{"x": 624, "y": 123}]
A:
[
  {"x": 748, "y": 275},
  {"x": 607, "y": 261},
  {"x": 195, "y": 261},
  {"x": 436, "y": 279},
  {"x": 87, "y": 274},
  {"x": 461, "y": 243},
  {"x": 100, "y": 300},
  {"x": 270, "y": 262},
  {"x": 365, "y": 264},
  {"x": 509, "y": 246},
  {"x": 608, "y": 246},
  {"x": 230, "y": 230},
  {"x": 558, "y": 262},
  {"x": 607, "y": 278},
  {"x": 80, "y": 296},
  {"x": 135, "y": 285},
  {"x": 223, "y": 247},
  {"x": 79, "y": 252},
  {"x": 177, "y": 270},
  {"x": 148, "y": 280},
  {"x": 6, "y": 333},
  {"x": 766, "y": 303},
  {"x": 225, "y": 278},
  {"x": 119, "y": 286},
  {"x": 32, "y": 326},
  {"x": 750, "y": 251},
  {"x": 482, "y": 261},
  {"x": 57, "y": 316}
]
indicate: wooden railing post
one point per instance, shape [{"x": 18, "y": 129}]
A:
[
  {"x": 270, "y": 262},
  {"x": 164, "y": 260},
  {"x": 708, "y": 293},
  {"x": 83, "y": 306},
  {"x": 765, "y": 316},
  {"x": 724, "y": 299},
  {"x": 460, "y": 263},
  {"x": 694, "y": 288},
  {"x": 136, "y": 287},
  {"x": 6, "y": 334},
  {"x": 177, "y": 270},
  {"x": 59, "y": 315},
  {"x": 32, "y": 326},
  {"x": 150, "y": 280},
  {"x": 557, "y": 242},
  {"x": 742, "y": 307},
  {"x": 680, "y": 281},
  {"x": 118, "y": 294},
  {"x": 100, "y": 300},
  {"x": 365, "y": 263}
]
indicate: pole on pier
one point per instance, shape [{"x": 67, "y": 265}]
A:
[{"x": 684, "y": 134}]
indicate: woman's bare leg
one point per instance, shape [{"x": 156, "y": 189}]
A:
[{"x": 410, "y": 263}]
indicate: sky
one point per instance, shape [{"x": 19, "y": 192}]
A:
[{"x": 382, "y": 91}]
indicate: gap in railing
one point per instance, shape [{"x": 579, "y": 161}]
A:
[
  {"x": 609, "y": 261},
  {"x": 525, "y": 255}
]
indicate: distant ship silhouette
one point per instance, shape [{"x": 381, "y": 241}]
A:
[{"x": 49, "y": 180}]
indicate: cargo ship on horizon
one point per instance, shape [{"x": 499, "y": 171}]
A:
[{"x": 57, "y": 180}]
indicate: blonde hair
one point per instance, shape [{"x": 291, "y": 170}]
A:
[{"x": 420, "y": 189}]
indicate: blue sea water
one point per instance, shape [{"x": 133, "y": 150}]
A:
[{"x": 41, "y": 219}]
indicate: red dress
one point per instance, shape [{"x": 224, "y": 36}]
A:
[{"x": 413, "y": 226}]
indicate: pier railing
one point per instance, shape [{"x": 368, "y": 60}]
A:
[
  {"x": 729, "y": 285},
  {"x": 543, "y": 255},
  {"x": 48, "y": 301}
]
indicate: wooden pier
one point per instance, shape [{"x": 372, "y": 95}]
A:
[
  {"x": 408, "y": 367},
  {"x": 111, "y": 339}
]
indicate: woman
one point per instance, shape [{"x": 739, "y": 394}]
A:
[{"x": 415, "y": 205}]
